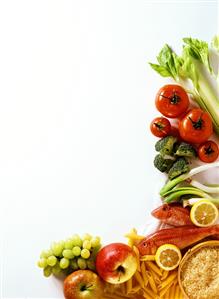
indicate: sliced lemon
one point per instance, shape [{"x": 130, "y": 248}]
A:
[
  {"x": 204, "y": 213},
  {"x": 168, "y": 257}
]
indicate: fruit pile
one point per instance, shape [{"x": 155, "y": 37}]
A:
[{"x": 75, "y": 253}]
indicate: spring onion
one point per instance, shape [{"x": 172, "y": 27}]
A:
[
  {"x": 203, "y": 187},
  {"x": 178, "y": 193},
  {"x": 182, "y": 178},
  {"x": 192, "y": 201}
]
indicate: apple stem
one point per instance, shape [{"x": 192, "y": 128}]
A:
[
  {"x": 121, "y": 269},
  {"x": 84, "y": 287}
]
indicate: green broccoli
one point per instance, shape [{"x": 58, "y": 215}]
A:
[
  {"x": 179, "y": 167},
  {"x": 165, "y": 145},
  {"x": 185, "y": 150},
  {"x": 163, "y": 164}
]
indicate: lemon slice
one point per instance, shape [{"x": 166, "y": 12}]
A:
[
  {"x": 168, "y": 257},
  {"x": 204, "y": 213}
]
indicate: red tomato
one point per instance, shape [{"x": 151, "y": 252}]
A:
[
  {"x": 208, "y": 152},
  {"x": 160, "y": 126},
  {"x": 175, "y": 132},
  {"x": 196, "y": 126},
  {"x": 172, "y": 100}
]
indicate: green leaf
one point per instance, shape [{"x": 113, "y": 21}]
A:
[
  {"x": 164, "y": 55},
  {"x": 165, "y": 59},
  {"x": 160, "y": 70},
  {"x": 188, "y": 68},
  {"x": 169, "y": 61},
  {"x": 199, "y": 50},
  {"x": 178, "y": 62}
]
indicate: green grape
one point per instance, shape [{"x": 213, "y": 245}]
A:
[
  {"x": 81, "y": 263},
  {"x": 87, "y": 244},
  {"x": 64, "y": 263},
  {"x": 57, "y": 248},
  {"x": 47, "y": 271},
  {"x": 52, "y": 260},
  {"x": 62, "y": 243},
  {"x": 69, "y": 244},
  {"x": 46, "y": 254},
  {"x": 95, "y": 242},
  {"x": 42, "y": 263},
  {"x": 94, "y": 252},
  {"x": 87, "y": 237},
  {"x": 67, "y": 253},
  {"x": 74, "y": 253},
  {"x": 96, "y": 249},
  {"x": 76, "y": 250},
  {"x": 85, "y": 253},
  {"x": 56, "y": 270},
  {"x": 74, "y": 265},
  {"x": 91, "y": 264},
  {"x": 77, "y": 241}
]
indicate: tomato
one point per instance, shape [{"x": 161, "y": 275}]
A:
[
  {"x": 175, "y": 132},
  {"x": 196, "y": 126},
  {"x": 160, "y": 126},
  {"x": 208, "y": 151},
  {"x": 172, "y": 100}
]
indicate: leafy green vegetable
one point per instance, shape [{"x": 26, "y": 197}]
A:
[
  {"x": 162, "y": 163},
  {"x": 179, "y": 167},
  {"x": 198, "y": 50},
  {"x": 194, "y": 72},
  {"x": 165, "y": 145},
  {"x": 185, "y": 150},
  {"x": 172, "y": 154},
  {"x": 169, "y": 63}
]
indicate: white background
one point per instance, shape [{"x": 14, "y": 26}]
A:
[{"x": 76, "y": 99}]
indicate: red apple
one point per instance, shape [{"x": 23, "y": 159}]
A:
[
  {"x": 116, "y": 263},
  {"x": 83, "y": 284}
]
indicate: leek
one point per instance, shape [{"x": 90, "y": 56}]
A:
[
  {"x": 182, "y": 178},
  {"x": 177, "y": 194},
  {"x": 192, "y": 201},
  {"x": 205, "y": 188}
]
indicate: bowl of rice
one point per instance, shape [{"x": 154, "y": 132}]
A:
[{"x": 198, "y": 273}]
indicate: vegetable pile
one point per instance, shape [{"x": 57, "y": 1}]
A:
[
  {"x": 194, "y": 71},
  {"x": 148, "y": 266}
]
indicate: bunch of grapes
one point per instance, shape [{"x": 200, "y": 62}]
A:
[{"x": 70, "y": 255}]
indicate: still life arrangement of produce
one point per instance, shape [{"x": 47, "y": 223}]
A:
[{"x": 180, "y": 257}]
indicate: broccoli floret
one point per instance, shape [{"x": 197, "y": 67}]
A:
[
  {"x": 165, "y": 145},
  {"x": 163, "y": 164},
  {"x": 179, "y": 167},
  {"x": 185, "y": 150}
]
